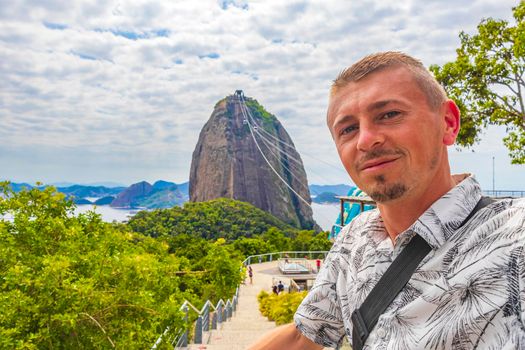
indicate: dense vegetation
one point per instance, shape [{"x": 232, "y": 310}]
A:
[
  {"x": 220, "y": 218},
  {"x": 76, "y": 282},
  {"x": 248, "y": 229},
  {"x": 280, "y": 308}
]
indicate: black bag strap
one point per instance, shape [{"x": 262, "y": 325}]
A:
[{"x": 393, "y": 280}]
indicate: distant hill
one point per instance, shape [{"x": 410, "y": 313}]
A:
[
  {"x": 17, "y": 187},
  {"x": 184, "y": 188},
  {"x": 82, "y": 201},
  {"x": 162, "y": 194},
  {"x": 326, "y": 197},
  {"x": 105, "y": 200},
  {"x": 80, "y": 191},
  {"x": 130, "y": 197},
  {"x": 339, "y": 190},
  {"x": 109, "y": 184}
]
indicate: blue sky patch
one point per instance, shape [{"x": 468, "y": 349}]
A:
[
  {"x": 225, "y": 4},
  {"x": 212, "y": 55},
  {"x": 84, "y": 56},
  {"x": 55, "y": 26},
  {"x": 132, "y": 35}
]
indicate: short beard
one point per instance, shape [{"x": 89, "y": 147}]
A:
[{"x": 387, "y": 193}]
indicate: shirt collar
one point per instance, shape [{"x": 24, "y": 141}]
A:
[{"x": 444, "y": 217}]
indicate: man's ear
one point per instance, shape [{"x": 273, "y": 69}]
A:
[{"x": 452, "y": 122}]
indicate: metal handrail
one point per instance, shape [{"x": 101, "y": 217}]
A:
[
  {"x": 260, "y": 257},
  {"x": 222, "y": 311}
]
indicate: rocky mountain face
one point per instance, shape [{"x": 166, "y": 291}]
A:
[
  {"x": 132, "y": 194},
  {"x": 229, "y": 161},
  {"x": 162, "y": 194}
]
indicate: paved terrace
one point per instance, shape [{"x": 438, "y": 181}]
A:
[{"x": 247, "y": 323}]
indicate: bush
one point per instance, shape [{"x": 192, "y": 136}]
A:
[
  {"x": 280, "y": 308},
  {"x": 71, "y": 282}
]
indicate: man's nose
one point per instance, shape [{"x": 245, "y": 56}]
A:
[{"x": 369, "y": 137}]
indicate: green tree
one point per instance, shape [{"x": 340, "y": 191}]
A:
[
  {"x": 486, "y": 80},
  {"x": 219, "y": 218},
  {"x": 69, "y": 282},
  {"x": 252, "y": 246}
]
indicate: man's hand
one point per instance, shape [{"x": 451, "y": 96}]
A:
[{"x": 286, "y": 337}]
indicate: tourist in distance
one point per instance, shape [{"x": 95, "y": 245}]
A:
[
  {"x": 392, "y": 123},
  {"x": 250, "y": 273},
  {"x": 280, "y": 287}
]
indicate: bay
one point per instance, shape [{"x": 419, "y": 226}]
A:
[
  {"x": 109, "y": 214},
  {"x": 324, "y": 214}
]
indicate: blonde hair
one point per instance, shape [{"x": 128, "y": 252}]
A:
[{"x": 433, "y": 91}]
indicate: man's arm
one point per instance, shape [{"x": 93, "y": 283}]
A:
[{"x": 285, "y": 337}]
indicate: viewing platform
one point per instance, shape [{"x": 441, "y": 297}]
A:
[{"x": 248, "y": 324}]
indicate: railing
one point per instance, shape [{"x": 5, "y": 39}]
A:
[
  {"x": 222, "y": 312},
  {"x": 293, "y": 265},
  {"x": 260, "y": 258},
  {"x": 504, "y": 193}
]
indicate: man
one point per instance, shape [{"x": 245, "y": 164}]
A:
[{"x": 392, "y": 123}]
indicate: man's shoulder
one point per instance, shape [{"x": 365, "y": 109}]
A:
[
  {"x": 509, "y": 204},
  {"x": 360, "y": 225}
]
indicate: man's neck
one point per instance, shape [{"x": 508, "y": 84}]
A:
[{"x": 400, "y": 214}]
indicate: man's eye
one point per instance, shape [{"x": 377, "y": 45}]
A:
[
  {"x": 389, "y": 115},
  {"x": 348, "y": 129}
]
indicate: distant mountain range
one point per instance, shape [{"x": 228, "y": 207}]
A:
[
  {"x": 328, "y": 193},
  {"x": 162, "y": 194}
]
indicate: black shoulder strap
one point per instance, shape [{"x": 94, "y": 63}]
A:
[{"x": 393, "y": 280}]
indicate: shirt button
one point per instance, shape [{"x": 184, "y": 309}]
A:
[{"x": 381, "y": 333}]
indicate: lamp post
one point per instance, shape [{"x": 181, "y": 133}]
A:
[{"x": 493, "y": 177}]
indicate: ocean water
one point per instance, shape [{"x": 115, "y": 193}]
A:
[
  {"x": 108, "y": 213},
  {"x": 324, "y": 214}
]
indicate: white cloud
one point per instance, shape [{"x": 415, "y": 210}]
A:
[{"x": 124, "y": 87}]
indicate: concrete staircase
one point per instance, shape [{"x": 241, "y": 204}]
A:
[{"x": 247, "y": 323}]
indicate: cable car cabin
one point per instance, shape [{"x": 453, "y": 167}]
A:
[{"x": 239, "y": 93}]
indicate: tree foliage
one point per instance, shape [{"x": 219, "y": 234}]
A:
[
  {"x": 219, "y": 218},
  {"x": 75, "y": 282},
  {"x": 487, "y": 82},
  {"x": 246, "y": 229}
]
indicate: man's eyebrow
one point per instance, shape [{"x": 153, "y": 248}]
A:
[
  {"x": 380, "y": 104},
  {"x": 343, "y": 120}
]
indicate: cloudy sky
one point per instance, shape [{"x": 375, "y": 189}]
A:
[{"x": 118, "y": 91}]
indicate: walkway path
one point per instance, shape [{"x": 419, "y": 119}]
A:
[{"x": 247, "y": 324}]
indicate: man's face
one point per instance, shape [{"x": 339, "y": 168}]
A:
[{"x": 389, "y": 139}]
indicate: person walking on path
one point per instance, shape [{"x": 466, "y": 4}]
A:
[
  {"x": 280, "y": 287},
  {"x": 250, "y": 274}
]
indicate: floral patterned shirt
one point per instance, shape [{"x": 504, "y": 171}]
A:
[{"x": 467, "y": 293}]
